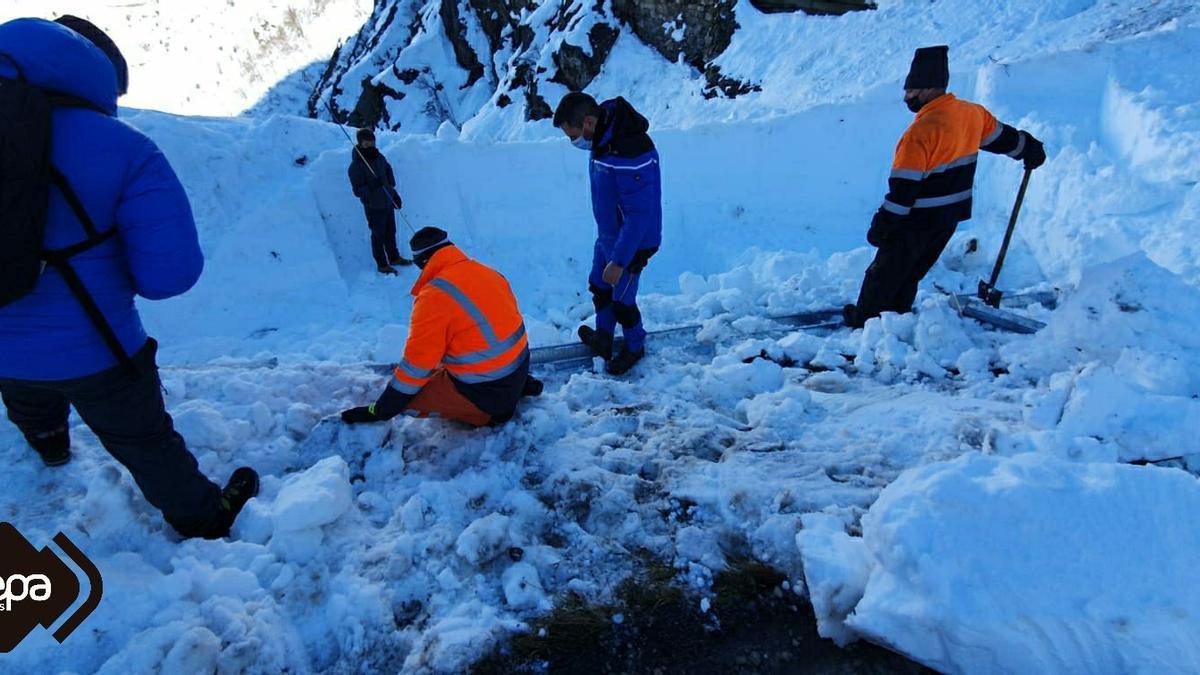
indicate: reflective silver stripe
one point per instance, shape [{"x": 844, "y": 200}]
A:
[
  {"x": 413, "y": 371},
  {"x": 469, "y": 307},
  {"x": 1020, "y": 146},
  {"x": 907, "y": 174},
  {"x": 991, "y": 138},
  {"x": 403, "y": 387},
  {"x": 492, "y": 376},
  {"x": 961, "y": 161},
  {"x": 930, "y": 202},
  {"x": 896, "y": 208},
  {"x": 913, "y": 174},
  {"x": 417, "y": 253},
  {"x": 489, "y": 353},
  {"x": 627, "y": 168}
]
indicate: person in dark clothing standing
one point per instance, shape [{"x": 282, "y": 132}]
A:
[
  {"x": 627, "y": 204},
  {"x": 115, "y": 181},
  {"x": 931, "y": 185},
  {"x": 374, "y": 184}
]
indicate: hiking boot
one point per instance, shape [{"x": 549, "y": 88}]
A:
[
  {"x": 624, "y": 361},
  {"x": 242, "y": 485},
  {"x": 54, "y": 447},
  {"x": 533, "y": 387},
  {"x": 387, "y": 269},
  {"x": 850, "y": 316},
  {"x": 601, "y": 344}
]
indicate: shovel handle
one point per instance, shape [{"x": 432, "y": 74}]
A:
[{"x": 1012, "y": 223}]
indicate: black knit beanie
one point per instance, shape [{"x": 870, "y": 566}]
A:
[
  {"x": 426, "y": 242},
  {"x": 930, "y": 69},
  {"x": 93, "y": 34}
]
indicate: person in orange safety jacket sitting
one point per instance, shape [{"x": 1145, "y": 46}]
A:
[{"x": 467, "y": 356}]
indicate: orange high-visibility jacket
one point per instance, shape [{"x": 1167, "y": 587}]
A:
[
  {"x": 933, "y": 175},
  {"x": 465, "y": 319}
]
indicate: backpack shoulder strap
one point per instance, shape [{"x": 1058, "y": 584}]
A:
[{"x": 60, "y": 260}]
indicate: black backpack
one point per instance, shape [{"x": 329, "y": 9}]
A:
[{"x": 26, "y": 177}]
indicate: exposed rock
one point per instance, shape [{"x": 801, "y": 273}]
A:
[
  {"x": 813, "y": 6},
  {"x": 536, "y": 108},
  {"x": 576, "y": 69},
  {"x": 370, "y": 109},
  {"x": 706, "y": 27},
  {"x": 456, "y": 32},
  {"x": 729, "y": 87}
]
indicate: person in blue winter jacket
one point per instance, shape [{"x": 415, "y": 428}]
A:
[
  {"x": 627, "y": 204},
  {"x": 52, "y": 354}
]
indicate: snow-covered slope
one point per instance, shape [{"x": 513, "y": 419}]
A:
[
  {"x": 774, "y": 64},
  {"x": 214, "y": 57},
  {"x": 385, "y": 548}
]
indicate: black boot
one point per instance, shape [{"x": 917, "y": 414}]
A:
[
  {"x": 242, "y": 485},
  {"x": 624, "y": 361},
  {"x": 533, "y": 387},
  {"x": 601, "y": 344},
  {"x": 54, "y": 447},
  {"x": 850, "y": 316}
]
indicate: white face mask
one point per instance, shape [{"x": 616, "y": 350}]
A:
[{"x": 582, "y": 143}]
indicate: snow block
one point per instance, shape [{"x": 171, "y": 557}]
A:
[
  {"x": 1035, "y": 565},
  {"x": 314, "y": 498}
]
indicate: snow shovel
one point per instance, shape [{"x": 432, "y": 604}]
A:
[{"x": 987, "y": 289}]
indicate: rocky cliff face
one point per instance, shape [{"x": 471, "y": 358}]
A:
[{"x": 418, "y": 64}]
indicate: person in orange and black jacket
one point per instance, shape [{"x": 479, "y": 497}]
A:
[
  {"x": 931, "y": 184},
  {"x": 467, "y": 356}
]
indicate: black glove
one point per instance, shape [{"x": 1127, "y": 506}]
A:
[
  {"x": 883, "y": 224},
  {"x": 533, "y": 386},
  {"x": 359, "y": 415},
  {"x": 397, "y": 203},
  {"x": 1034, "y": 153}
]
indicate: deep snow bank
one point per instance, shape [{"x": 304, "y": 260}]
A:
[{"x": 1023, "y": 565}]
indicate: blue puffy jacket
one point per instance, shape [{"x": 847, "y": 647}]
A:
[
  {"x": 125, "y": 182},
  {"x": 626, "y": 185}
]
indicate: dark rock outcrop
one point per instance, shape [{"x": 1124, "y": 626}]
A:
[
  {"x": 577, "y": 69},
  {"x": 707, "y": 26},
  {"x": 812, "y": 6}
]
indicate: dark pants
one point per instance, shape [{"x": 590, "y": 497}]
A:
[
  {"x": 383, "y": 235},
  {"x": 131, "y": 421},
  {"x": 890, "y": 284}
]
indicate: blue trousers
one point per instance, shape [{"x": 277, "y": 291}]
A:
[{"x": 617, "y": 303}]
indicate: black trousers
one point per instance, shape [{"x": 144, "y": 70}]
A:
[
  {"x": 383, "y": 235},
  {"x": 890, "y": 284},
  {"x": 130, "y": 419}
]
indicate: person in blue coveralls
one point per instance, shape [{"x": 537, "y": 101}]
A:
[
  {"x": 627, "y": 204},
  {"x": 117, "y": 224}
]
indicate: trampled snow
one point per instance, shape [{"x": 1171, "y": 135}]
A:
[{"x": 418, "y": 545}]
